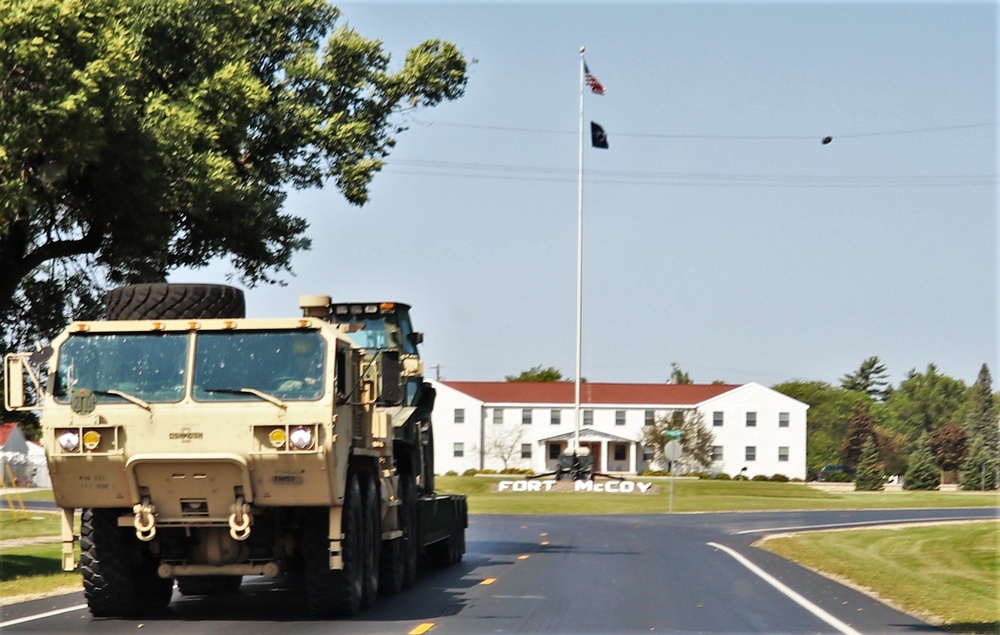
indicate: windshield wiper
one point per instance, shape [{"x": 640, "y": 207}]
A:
[
  {"x": 250, "y": 391},
  {"x": 126, "y": 397}
]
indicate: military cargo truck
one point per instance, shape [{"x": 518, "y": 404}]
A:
[{"x": 202, "y": 446}]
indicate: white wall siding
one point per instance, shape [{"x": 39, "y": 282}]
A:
[{"x": 767, "y": 437}]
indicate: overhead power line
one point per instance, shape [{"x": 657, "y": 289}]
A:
[
  {"x": 729, "y": 137},
  {"x": 550, "y": 174}
]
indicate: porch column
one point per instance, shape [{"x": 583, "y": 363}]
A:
[{"x": 633, "y": 450}]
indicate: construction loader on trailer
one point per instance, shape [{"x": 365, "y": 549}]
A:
[{"x": 203, "y": 446}]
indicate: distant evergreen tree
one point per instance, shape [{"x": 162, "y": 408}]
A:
[
  {"x": 979, "y": 472},
  {"x": 983, "y": 421},
  {"x": 678, "y": 376},
  {"x": 860, "y": 430},
  {"x": 871, "y": 378},
  {"x": 869, "y": 477},
  {"x": 539, "y": 374},
  {"x": 922, "y": 472}
]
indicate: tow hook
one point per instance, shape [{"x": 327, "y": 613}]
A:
[
  {"x": 145, "y": 520},
  {"x": 239, "y": 520}
]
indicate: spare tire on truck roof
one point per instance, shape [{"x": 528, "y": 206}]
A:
[{"x": 167, "y": 301}]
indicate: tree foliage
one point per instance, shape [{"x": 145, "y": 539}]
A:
[
  {"x": 860, "y": 431},
  {"x": 869, "y": 476},
  {"x": 948, "y": 445},
  {"x": 696, "y": 440},
  {"x": 143, "y": 136},
  {"x": 871, "y": 378},
  {"x": 924, "y": 401},
  {"x": 922, "y": 473},
  {"x": 979, "y": 471},
  {"x": 537, "y": 373},
  {"x": 983, "y": 416},
  {"x": 678, "y": 376}
]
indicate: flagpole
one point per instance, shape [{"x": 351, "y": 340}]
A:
[{"x": 579, "y": 266}]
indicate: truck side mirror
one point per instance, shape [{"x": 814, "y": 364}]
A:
[
  {"x": 13, "y": 382},
  {"x": 391, "y": 370}
]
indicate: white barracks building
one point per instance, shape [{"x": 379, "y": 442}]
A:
[{"x": 479, "y": 424}]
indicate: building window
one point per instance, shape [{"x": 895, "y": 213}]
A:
[
  {"x": 751, "y": 453},
  {"x": 717, "y": 419},
  {"x": 459, "y": 415},
  {"x": 526, "y": 416},
  {"x": 782, "y": 419},
  {"x": 716, "y": 452},
  {"x": 650, "y": 417},
  {"x": 588, "y": 417},
  {"x": 648, "y": 454},
  {"x": 783, "y": 453},
  {"x": 621, "y": 452},
  {"x": 619, "y": 417},
  {"x": 525, "y": 450},
  {"x": 554, "y": 451},
  {"x": 751, "y": 419},
  {"x": 459, "y": 450},
  {"x": 555, "y": 417},
  {"x": 498, "y": 415}
]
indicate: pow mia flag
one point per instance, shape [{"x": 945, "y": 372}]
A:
[{"x": 598, "y": 138}]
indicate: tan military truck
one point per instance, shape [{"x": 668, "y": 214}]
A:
[{"x": 203, "y": 446}]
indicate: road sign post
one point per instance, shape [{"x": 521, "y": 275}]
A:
[{"x": 673, "y": 451}]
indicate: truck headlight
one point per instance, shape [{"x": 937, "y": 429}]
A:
[
  {"x": 69, "y": 440},
  {"x": 301, "y": 438}
]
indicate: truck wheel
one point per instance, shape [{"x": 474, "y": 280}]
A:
[
  {"x": 209, "y": 584},
  {"x": 164, "y": 301},
  {"x": 373, "y": 541},
  {"x": 112, "y": 585},
  {"x": 408, "y": 524},
  {"x": 331, "y": 592}
]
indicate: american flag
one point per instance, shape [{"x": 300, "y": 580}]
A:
[{"x": 592, "y": 81}]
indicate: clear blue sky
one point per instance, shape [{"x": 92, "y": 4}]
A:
[{"x": 719, "y": 233}]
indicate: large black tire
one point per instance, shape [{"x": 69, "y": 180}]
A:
[
  {"x": 330, "y": 593},
  {"x": 408, "y": 524},
  {"x": 166, "y": 301},
  {"x": 113, "y": 584},
  {"x": 373, "y": 541},
  {"x": 209, "y": 584}
]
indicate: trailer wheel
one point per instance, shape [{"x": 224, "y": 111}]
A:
[
  {"x": 373, "y": 541},
  {"x": 112, "y": 585},
  {"x": 209, "y": 584},
  {"x": 408, "y": 525},
  {"x": 332, "y": 592},
  {"x": 164, "y": 301}
]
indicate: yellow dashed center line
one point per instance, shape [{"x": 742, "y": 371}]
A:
[
  {"x": 523, "y": 557},
  {"x": 488, "y": 581},
  {"x": 423, "y": 628}
]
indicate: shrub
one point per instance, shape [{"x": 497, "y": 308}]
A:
[
  {"x": 779, "y": 478},
  {"x": 451, "y": 473},
  {"x": 470, "y": 472},
  {"x": 722, "y": 476},
  {"x": 759, "y": 477}
]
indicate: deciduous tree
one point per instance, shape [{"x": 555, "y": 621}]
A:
[
  {"x": 537, "y": 373},
  {"x": 143, "y": 136},
  {"x": 696, "y": 440}
]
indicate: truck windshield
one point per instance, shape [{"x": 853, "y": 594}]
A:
[
  {"x": 148, "y": 366},
  {"x": 289, "y": 365}
]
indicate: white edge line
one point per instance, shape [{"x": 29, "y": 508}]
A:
[
  {"x": 41, "y": 616},
  {"x": 792, "y": 595}
]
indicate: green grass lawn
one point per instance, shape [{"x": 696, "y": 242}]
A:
[
  {"x": 698, "y": 496},
  {"x": 947, "y": 574}
]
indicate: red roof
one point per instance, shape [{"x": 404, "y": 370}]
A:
[
  {"x": 590, "y": 392},
  {"x": 6, "y": 429}
]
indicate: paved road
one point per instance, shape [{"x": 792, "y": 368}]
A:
[{"x": 564, "y": 574}]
